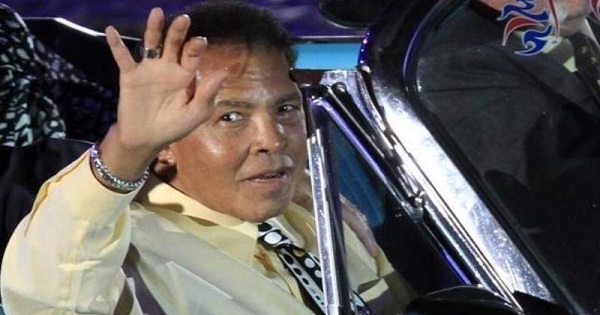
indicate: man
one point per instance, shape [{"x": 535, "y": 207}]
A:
[
  {"x": 525, "y": 126},
  {"x": 225, "y": 127},
  {"x": 475, "y": 86}
]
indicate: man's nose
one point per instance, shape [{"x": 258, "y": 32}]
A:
[{"x": 269, "y": 137}]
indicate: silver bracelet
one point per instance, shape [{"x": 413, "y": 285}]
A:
[{"x": 109, "y": 178}]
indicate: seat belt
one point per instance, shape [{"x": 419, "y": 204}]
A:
[{"x": 147, "y": 302}]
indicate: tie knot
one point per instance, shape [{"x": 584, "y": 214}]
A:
[{"x": 272, "y": 236}]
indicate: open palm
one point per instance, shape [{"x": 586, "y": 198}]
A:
[{"x": 160, "y": 99}]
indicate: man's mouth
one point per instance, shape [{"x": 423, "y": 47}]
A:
[{"x": 269, "y": 175}]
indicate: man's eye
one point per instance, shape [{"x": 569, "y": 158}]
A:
[
  {"x": 231, "y": 117},
  {"x": 288, "y": 108}
]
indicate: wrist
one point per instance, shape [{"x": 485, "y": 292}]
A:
[
  {"x": 126, "y": 156},
  {"x": 108, "y": 178}
]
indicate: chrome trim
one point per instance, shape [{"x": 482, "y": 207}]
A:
[
  {"x": 444, "y": 193},
  {"x": 324, "y": 226},
  {"x": 377, "y": 169},
  {"x": 330, "y": 235},
  {"x": 453, "y": 199}
]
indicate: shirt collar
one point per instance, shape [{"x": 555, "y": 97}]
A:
[{"x": 234, "y": 236}]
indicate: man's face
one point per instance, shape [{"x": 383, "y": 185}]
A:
[
  {"x": 244, "y": 161},
  {"x": 571, "y": 14}
]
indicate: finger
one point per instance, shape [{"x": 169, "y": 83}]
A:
[
  {"x": 175, "y": 37},
  {"x": 119, "y": 51},
  {"x": 154, "y": 26},
  {"x": 371, "y": 245},
  {"x": 364, "y": 234},
  {"x": 358, "y": 223},
  {"x": 209, "y": 85},
  {"x": 192, "y": 50}
]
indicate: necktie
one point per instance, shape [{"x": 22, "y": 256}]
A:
[
  {"x": 304, "y": 266},
  {"x": 586, "y": 55}
]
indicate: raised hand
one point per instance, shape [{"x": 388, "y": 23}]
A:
[
  {"x": 160, "y": 99},
  {"x": 358, "y": 223}
]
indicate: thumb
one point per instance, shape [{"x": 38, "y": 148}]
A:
[{"x": 208, "y": 85}]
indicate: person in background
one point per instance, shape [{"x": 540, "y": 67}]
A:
[
  {"x": 524, "y": 127},
  {"x": 475, "y": 85},
  {"x": 166, "y": 215}
]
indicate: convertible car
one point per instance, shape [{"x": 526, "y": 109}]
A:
[{"x": 474, "y": 160}]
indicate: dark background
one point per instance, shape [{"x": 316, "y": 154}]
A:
[{"x": 301, "y": 17}]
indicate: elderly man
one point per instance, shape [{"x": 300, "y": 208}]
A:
[{"x": 222, "y": 128}]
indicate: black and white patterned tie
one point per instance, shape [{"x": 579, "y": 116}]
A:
[{"x": 304, "y": 266}]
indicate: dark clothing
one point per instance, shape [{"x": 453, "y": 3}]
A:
[
  {"x": 42, "y": 94},
  {"x": 476, "y": 88},
  {"x": 527, "y": 130}
]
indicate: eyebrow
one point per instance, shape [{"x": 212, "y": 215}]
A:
[
  {"x": 236, "y": 103},
  {"x": 233, "y": 103},
  {"x": 289, "y": 97}
]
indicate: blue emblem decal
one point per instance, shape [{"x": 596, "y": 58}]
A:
[{"x": 540, "y": 25}]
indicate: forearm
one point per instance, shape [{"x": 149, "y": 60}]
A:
[
  {"x": 126, "y": 158},
  {"x": 66, "y": 254}
]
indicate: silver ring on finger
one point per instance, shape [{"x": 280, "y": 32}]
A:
[{"x": 151, "y": 53}]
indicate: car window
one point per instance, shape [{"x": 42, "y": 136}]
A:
[
  {"x": 404, "y": 242},
  {"x": 522, "y": 122}
]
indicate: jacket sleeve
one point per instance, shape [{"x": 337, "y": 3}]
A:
[{"x": 65, "y": 257}]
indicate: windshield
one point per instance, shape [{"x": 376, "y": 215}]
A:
[{"x": 515, "y": 98}]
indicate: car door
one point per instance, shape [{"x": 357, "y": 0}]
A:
[{"x": 444, "y": 222}]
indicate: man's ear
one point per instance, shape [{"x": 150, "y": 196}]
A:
[{"x": 165, "y": 165}]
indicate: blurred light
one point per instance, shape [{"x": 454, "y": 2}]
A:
[{"x": 327, "y": 55}]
